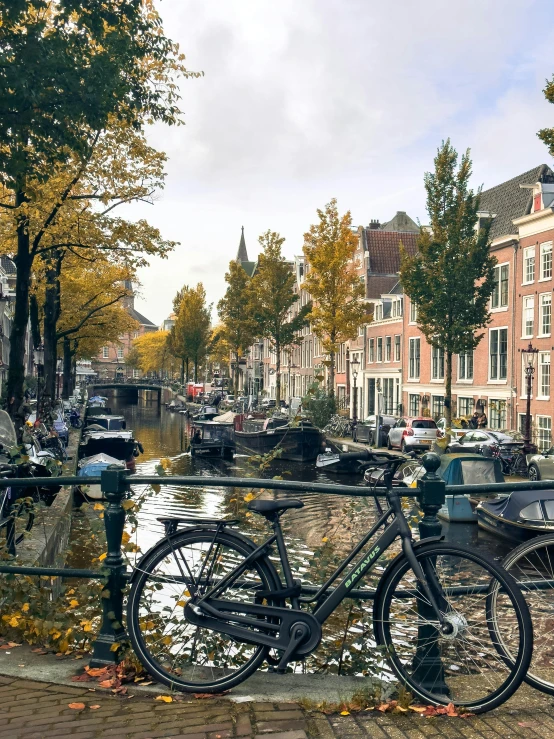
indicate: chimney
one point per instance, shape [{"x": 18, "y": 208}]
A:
[{"x": 374, "y": 225}]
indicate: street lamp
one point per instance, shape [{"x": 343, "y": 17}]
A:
[
  {"x": 39, "y": 361},
  {"x": 355, "y": 366},
  {"x": 529, "y": 361}
]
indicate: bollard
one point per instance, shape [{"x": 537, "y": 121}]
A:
[
  {"x": 427, "y": 664},
  {"x": 112, "y": 633}
]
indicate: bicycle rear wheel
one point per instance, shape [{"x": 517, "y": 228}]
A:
[
  {"x": 483, "y": 657},
  {"x": 531, "y": 564},
  {"x": 184, "y": 656}
]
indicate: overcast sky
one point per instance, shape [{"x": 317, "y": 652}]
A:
[{"x": 305, "y": 100}]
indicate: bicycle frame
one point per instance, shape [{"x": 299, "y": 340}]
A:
[{"x": 218, "y": 620}]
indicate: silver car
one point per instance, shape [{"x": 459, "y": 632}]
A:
[
  {"x": 541, "y": 466},
  {"x": 411, "y": 434}
]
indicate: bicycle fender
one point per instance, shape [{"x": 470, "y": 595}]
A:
[
  {"x": 416, "y": 545},
  {"x": 137, "y": 569}
]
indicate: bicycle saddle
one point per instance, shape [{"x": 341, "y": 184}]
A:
[{"x": 267, "y": 507}]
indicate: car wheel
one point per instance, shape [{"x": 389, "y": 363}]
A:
[
  {"x": 534, "y": 472},
  {"x": 403, "y": 447},
  {"x": 389, "y": 445},
  {"x": 370, "y": 438}
]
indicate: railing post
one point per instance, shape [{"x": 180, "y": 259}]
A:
[
  {"x": 10, "y": 523},
  {"x": 427, "y": 665},
  {"x": 112, "y": 633}
]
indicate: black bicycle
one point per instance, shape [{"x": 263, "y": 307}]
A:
[
  {"x": 17, "y": 510},
  {"x": 207, "y": 606}
]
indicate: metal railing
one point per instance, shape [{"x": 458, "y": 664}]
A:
[{"x": 115, "y": 485}]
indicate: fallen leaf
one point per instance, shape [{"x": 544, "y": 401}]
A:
[
  {"x": 93, "y": 708},
  {"x": 148, "y": 683},
  {"x": 96, "y": 671},
  {"x": 164, "y": 698},
  {"x": 383, "y": 707},
  {"x": 345, "y": 713},
  {"x": 107, "y": 683},
  {"x": 418, "y": 709},
  {"x": 325, "y": 539},
  {"x": 525, "y": 724},
  {"x": 76, "y": 706},
  {"x": 450, "y": 710}
]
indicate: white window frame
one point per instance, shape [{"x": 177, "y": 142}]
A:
[
  {"x": 397, "y": 348},
  {"x": 379, "y": 350},
  {"x": 413, "y": 375},
  {"x": 544, "y": 440},
  {"x": 105, "y": 352},
  {"x": 371, "y": 351},
  {"x": 545, "y": 252},
  {"x": 412, "y": 403},
  {"x": 543, "y": 361},
  {"x": 469, "y": 405},
  {"x": 529, "y": 265},
  {"x": 498, "y": 379},
  {"x": 497, "y": 414},
  {"x": 526, "y": 312},
  {"x": 437, "y": 362},
  {"x": 413, "y": 313},
  {"x": 388, "y": 349},
  {"x": 498, "y": 272},
  {"x": 466, "y": 377},
  {"x": 542, "y": 304},
  {"x": 120, "y": 353}
]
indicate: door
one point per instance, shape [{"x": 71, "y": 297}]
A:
[
  {"x": 546, "y": 465},
  {"x": 478, "y": 439},
  {"x": 395, "y": 434}
]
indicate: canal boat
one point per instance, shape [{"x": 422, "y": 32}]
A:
[
  {"x": 118, "y": 444},
  {"x": 519, "y": 516},
  {"x": 109, "y": 422},
  {"x": 212, "y": 438},
  {"x": 93, "y": 467},
  {"x": 343, "y": 463},
  {"x": 298, "y": 442},
  {"x": 207, "y": 413}
]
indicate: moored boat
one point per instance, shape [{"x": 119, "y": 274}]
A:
[
  {"x": 93, "y": 467},
  {"x": 109, "y": 422},
  {"x": 212, "y": 438},
  {"x": 300, "y": 442},
  {"x": 519, "y": 516},
  {"x": 119, "y": 444},
  {"x": 343, "y": 463}
]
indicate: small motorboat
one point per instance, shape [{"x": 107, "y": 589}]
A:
[
  {"x": 343, "y": 463},
  {"x": 93, "y": 467},
  {"x": 207, "y": 413},
  {"x": 118, "y": 444},
  {"x": 212, "y": 438},
  {"x": 519, "y": 516},
  {"x": 110, "y": 423}
]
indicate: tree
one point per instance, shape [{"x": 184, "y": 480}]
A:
[
  {"x": 190, "y": 336},
  {"x": 451, "y": 277},
  {"x": 546, "y": 135},
  {"x": 153, "y": 351},
  {"x": 333, "y": 282},
  {"x": 66, "y": 69},
  {"x": 239, "y": 326},
  {"x": 273, "y": 301}
]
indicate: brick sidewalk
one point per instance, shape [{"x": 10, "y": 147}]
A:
[{"x": 35, "y": 710}]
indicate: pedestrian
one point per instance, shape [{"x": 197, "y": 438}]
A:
[
  {"x": 483, "y": 421},
  {"x": 473, "y": 421}
]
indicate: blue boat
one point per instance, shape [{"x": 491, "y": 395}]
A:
[
  {"x": 93, "y": 467},
  {"x": 519, "y": 516},
  {"x": 466, "y": 469}
]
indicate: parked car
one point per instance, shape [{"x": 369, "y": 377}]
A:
[
  {"x": 365, "y": 431},
  {"x": 485, "y": 442},
  {"x": 541, "y": 466},
  {"x": 411, "y": 434},
  {"x": 268, "y": 403}
]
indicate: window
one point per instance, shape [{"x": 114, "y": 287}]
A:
[
  {"x": 105, "y": 352},
  {"x": 498, "y": 353},
  {"x": 465, "y": 406},
  {"x": 529, "y": 264},
  {"x": 414, "y": 358},
  {"x": 378, "y": 313},
  {"x": 544, "y": 432},
  {"x": 413, "y": 405},
  {"x": 546, "y": 260},
  {"x": 437, "y": 372},
  {"x": 544, "y": 375},
  {"x": 497, "y": 414},
  {"x": 136, "y": 373},
  {"x": 388, "y": 348},
  {"x": 397, "y": 348},
  {"x": 388, "y": 395},
  {"x": 437, "y": 406},
  {"x": 545, "y": 313},
  {"x": 499, "y": 298},
  {"x": 380, "y": 349},
  {"x": 528, "y": 316},
  {"x": 120, "y": 352},
  {"x": 372, "y": 350},
  {"x": 465, "y": 366},
  {"x": 413, "y": 313}
]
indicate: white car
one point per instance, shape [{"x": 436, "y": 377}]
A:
[{"x": 409, "y": 434}]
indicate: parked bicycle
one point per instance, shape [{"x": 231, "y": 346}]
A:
[
  {"x": 207, "y": 607},
  {"x": 17, "y": 510},
  {"x": 513, "y": 465},
  {"x": 338, "y": 426}
]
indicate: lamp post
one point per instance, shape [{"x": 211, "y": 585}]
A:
[
  {"x": 529, "y": 361},
  {"x": 354, "y": 366},
  {"x": 39, "y": 361}
]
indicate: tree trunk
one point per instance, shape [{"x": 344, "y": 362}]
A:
[
  {"x": 331, "y": 380},
  {"x": 66, "y": 389},
  {"x": 49, "y": 332},
  {"x": 16, "y": 372},
  {"x": 448, "y": 389},
  {"x": 182, "y": 371},
  {"x": 236, "y": 376},
  {"x": 196, "y": 368},
  {"x": 187, "y": 369},
  {"x": 278, "y": 379}
]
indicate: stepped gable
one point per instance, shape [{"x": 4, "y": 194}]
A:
[{"x": 508, "y": 200}]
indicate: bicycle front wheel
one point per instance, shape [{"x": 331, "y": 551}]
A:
[
  {"x": 184, "y": 656},
  {"x": 531, "y": 564},
  {"x": 481, "y": 657}
]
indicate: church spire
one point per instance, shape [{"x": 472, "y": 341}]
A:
[{"x": 242, "y": 255}]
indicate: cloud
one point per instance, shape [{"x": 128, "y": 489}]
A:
[{"x": 303, "y": 101}]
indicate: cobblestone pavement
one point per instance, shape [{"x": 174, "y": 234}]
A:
[{"x": 36, "y": 710}]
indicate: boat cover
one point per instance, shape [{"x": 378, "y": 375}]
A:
[
  {"x": 228, "y": 417},
  {"x": 470, "y": 469},
  {"x": 512, "y": 506},
  {"x": 93, "y": 466}
]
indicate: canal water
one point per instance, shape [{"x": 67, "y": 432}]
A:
[{"x": 318, "y": 535}]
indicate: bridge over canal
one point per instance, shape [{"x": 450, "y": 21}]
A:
[{"x": 134, "y": 390}]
